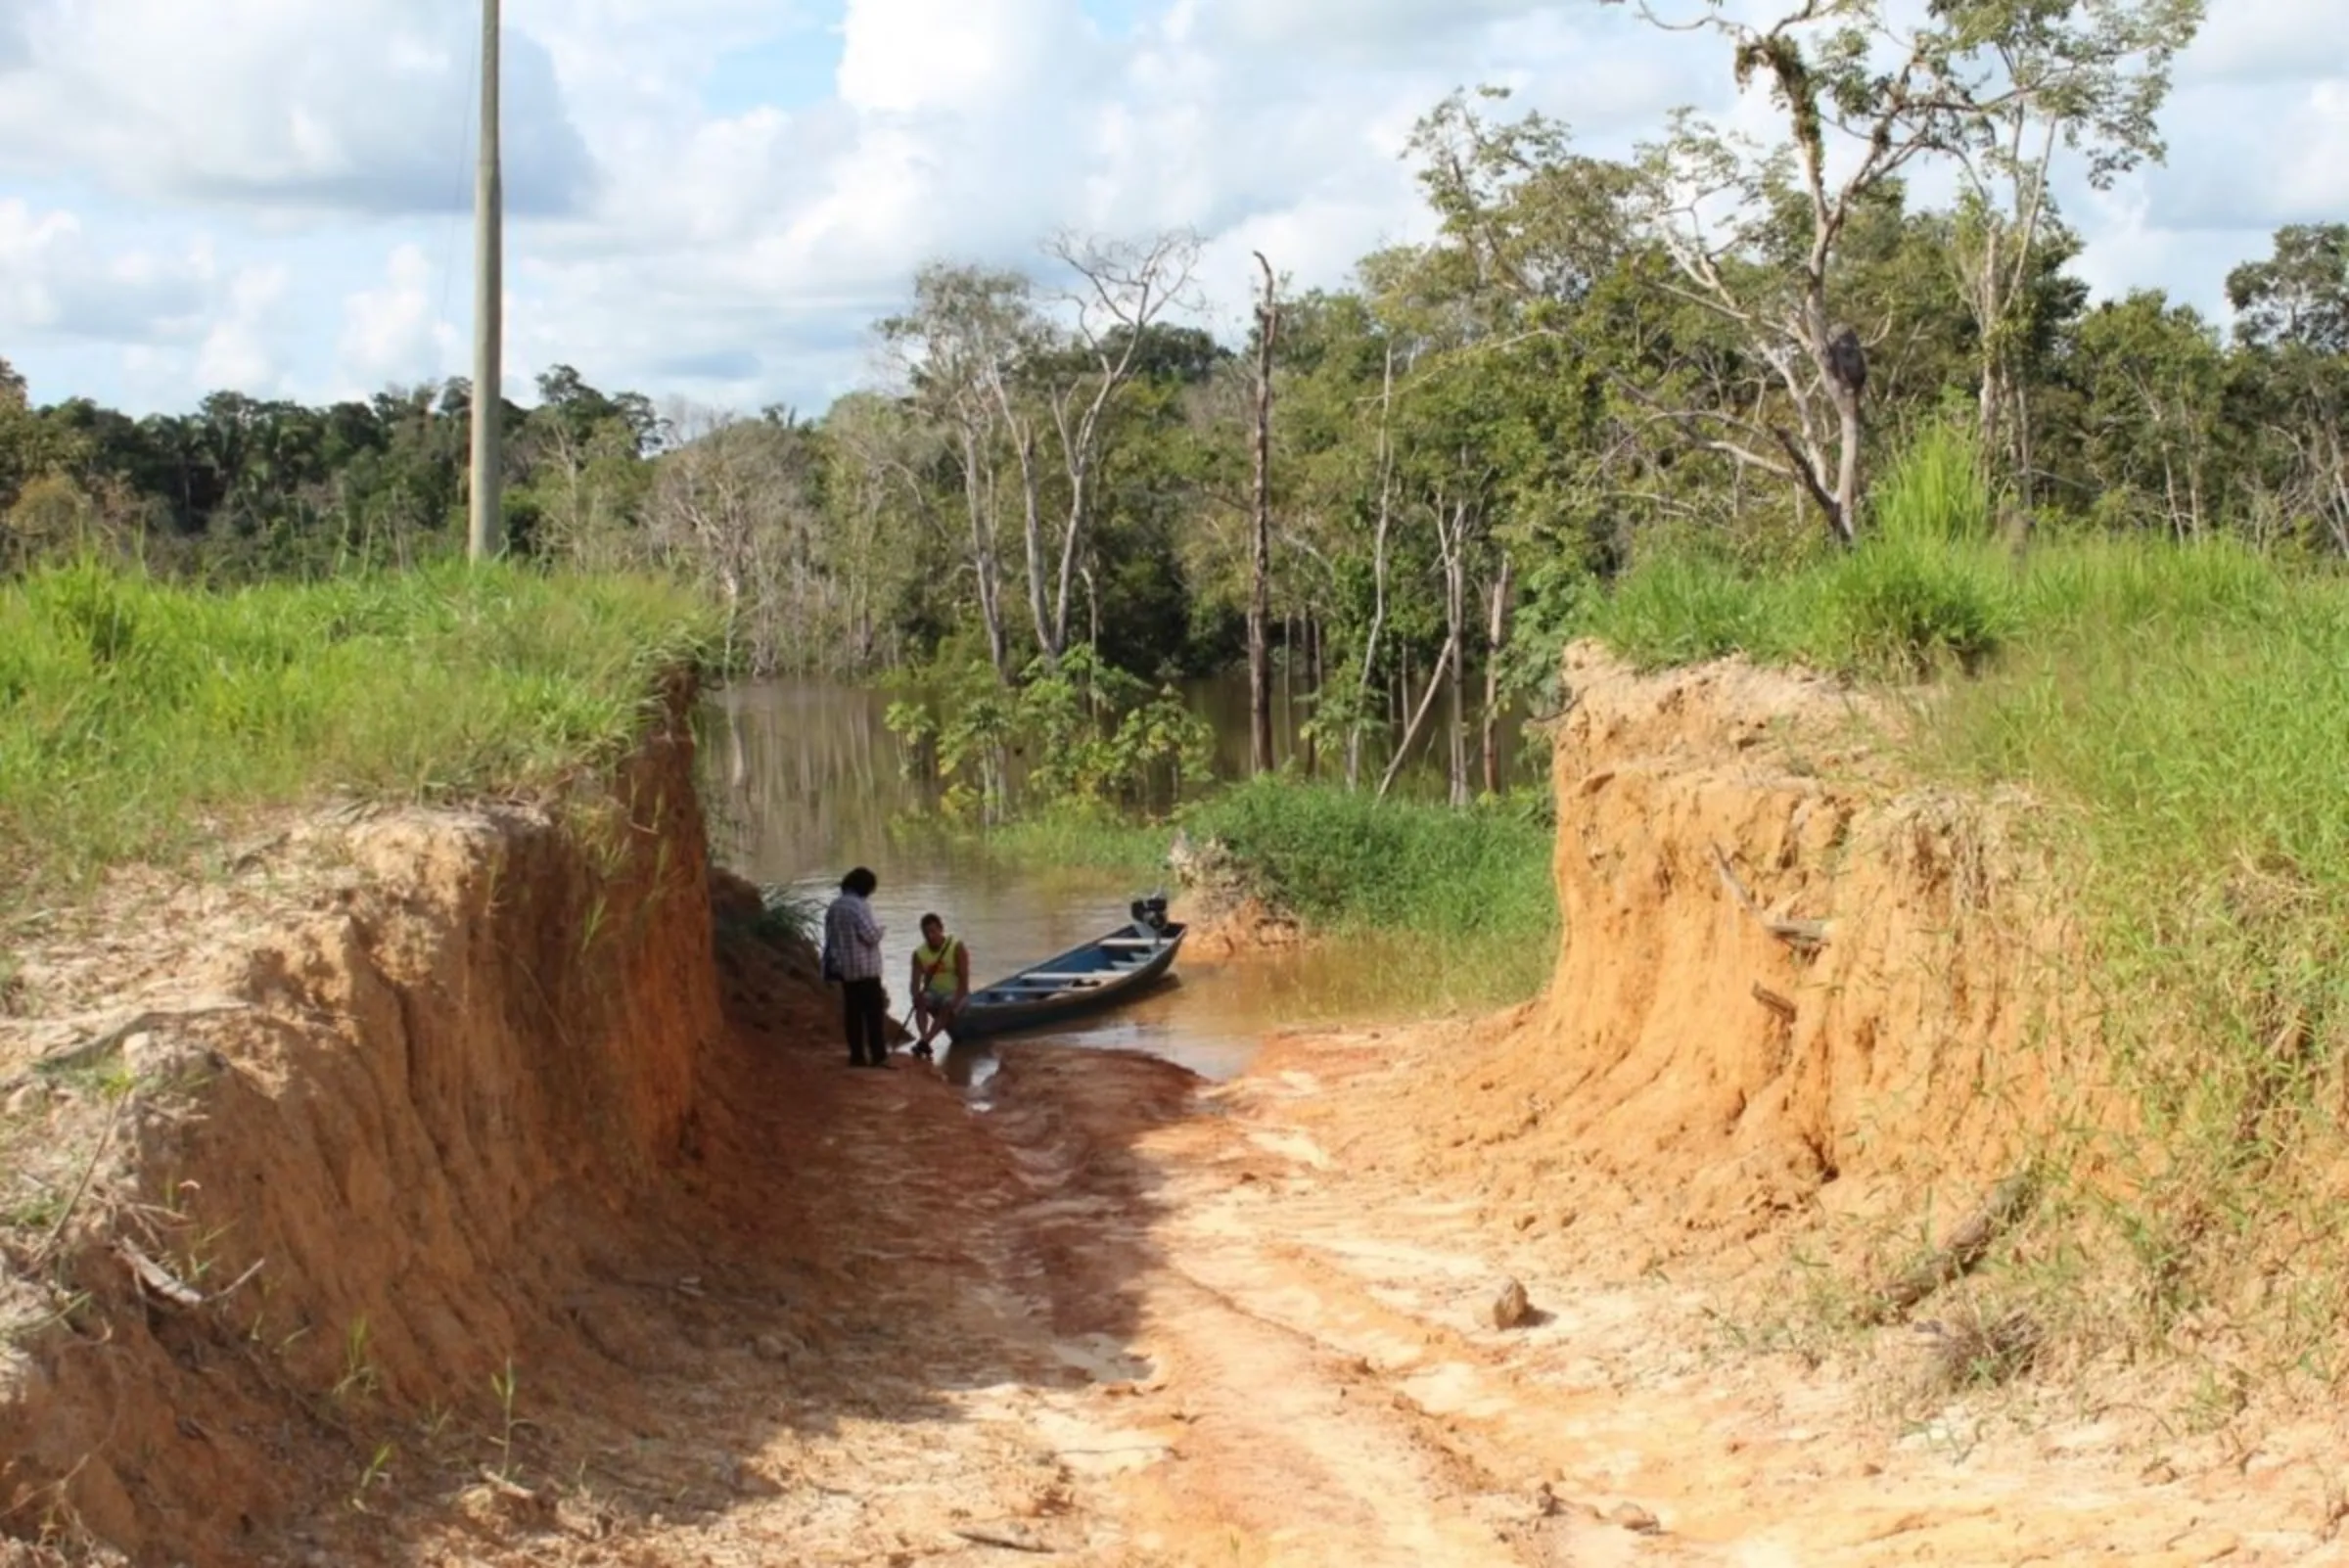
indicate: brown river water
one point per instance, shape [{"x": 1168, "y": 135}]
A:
[{"x": 805, "y": 781}]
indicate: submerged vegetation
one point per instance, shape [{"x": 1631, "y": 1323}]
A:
[
  {"x": 136, "y": 714},
  {"x": 1075, "y": 736}
]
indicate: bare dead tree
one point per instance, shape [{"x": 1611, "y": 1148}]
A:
[
  {"x": 959, "y": 349},
  {"x": 1123, "y": 289},
  {"x": 732, "y": 505},
  {"x": 1259, "y": 588}
]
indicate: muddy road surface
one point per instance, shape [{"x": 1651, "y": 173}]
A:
[{"x": 1121, "y": 1315}]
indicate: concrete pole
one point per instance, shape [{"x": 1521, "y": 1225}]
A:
[{"x": 488, "y": 536}]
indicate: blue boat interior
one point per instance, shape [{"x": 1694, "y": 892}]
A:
[{"x": 1093, "y": 965}]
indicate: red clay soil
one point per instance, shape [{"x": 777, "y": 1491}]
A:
[
  {"x": 650, "y": 1276},
  {"x": 1789, "y": 983}
]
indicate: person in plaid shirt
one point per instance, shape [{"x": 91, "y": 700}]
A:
[{"x": 852, "y": 956}]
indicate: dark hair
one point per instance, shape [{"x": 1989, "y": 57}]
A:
[
  {"x": 861, "y": 882},
  {"x": 929, "y": 920}
]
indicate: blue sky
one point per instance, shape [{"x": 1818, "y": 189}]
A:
[{"x": 711, "y": 200}]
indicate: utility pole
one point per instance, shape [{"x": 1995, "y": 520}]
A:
[{"x": 486, "y": 536}]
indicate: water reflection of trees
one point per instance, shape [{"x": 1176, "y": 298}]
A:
[
  {"x": 803, "y": 771},
  {"x": 811, "y": 767}
]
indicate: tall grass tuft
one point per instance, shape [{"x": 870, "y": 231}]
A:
[
  {"x": 1935, "y": 493},
  {"x": 134, "y": 713},
  {"x": 1684, "y": 605},
  {"x": 1927, "y": 586}
]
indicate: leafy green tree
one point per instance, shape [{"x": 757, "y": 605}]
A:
[
  {"x": 2152, "y": 434},
  {"x": 2291, "y": 323}
]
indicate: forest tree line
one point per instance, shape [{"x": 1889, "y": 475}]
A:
[{"x": 1405, "y": 487}]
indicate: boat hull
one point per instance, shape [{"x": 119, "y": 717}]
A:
[{"x": 1103, "y": 973}]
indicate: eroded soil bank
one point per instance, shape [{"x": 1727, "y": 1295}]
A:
[{"x": 471, "y": 1191}]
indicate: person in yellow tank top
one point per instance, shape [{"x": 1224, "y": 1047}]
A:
[{"x": 942, "y": 982}]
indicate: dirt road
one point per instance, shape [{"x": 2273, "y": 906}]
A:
[{"x": 1117, "y": 1316}]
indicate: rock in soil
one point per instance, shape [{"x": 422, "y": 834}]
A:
[
  {"x": 1631, "y": 1516},
  {"x": 1511, "y": 1309}
]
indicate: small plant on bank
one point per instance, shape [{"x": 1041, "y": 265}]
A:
[
  {"x": 504, "y": 1385},
  {"x": 358, "y": 1368},
  {"x": 789, "y": 916},
  {"x": 378, "y": 1473}
]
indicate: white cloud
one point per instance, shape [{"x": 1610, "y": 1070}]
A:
[
  {"x": 54, "y": 280},
  {"x": 237, "y": 351},
  {"x": 742, "y": 254},
  {"x": 2267, "y": 40},
  {"x": 972, "y": 58},
  {"x": 396, "y": 334},
  {"x": 2262, "y": 155},
  {"x": 358, "y": 106}
]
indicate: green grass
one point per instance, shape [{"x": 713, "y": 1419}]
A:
[
  {"x": 1929, "y": 588},
  {"x": 1475, "y": 884},
  {"x": 1085, "y": 842},
  {"x": 135, "y": 715},
  {"x": 2183, "y": 712}
]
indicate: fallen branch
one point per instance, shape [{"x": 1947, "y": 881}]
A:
[
  {"x": 1008, "y": 1544},
  {"x": 1773, "y": 1001},
  {"x": 152, "y": 1276},
  {"x": 1809, "y": 935},
  {"x": 1966, "y": 1247}
]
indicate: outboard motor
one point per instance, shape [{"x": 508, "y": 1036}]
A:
[{"x": 1151, "y": 912}]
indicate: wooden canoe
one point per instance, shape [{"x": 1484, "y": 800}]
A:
[{"x": 1102, "y": 973}]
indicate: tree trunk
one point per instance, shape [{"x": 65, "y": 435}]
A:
[
  {"x": 1846, "y": 518},
  {"x": 1378, "y": 578},
  {"x": 1497, "y": 632},
  {"x": 978, "y": 500},
  {"x": 1452, "y": 540},
  {"x": 1410, "y": 733},
  {"x": 1069, "y": 536},
  {"x": 1260, "y": 584},
  {"x": 1312, "y": 694},
  {"x": 1033, "y": 523}
]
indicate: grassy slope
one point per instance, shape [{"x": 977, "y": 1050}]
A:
[
  {"x": 2184, "y": 711},
  {"x": 133, "y": 713}
]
